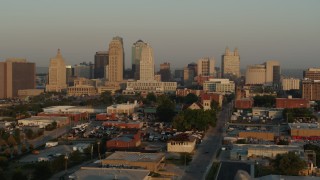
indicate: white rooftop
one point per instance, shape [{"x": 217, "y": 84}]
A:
[{"x": 135, "y": 156}]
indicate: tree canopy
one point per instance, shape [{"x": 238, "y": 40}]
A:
[
  {"x": 194, "y": 119},
  {"x": 289, "y": 164},
  {"x": 190, "y": 98},
  {"x": 264, "y": 101},
  {"x": 165, "y": 109}
]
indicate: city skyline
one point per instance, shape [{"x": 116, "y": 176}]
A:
[{"x": 261, "y": 31}]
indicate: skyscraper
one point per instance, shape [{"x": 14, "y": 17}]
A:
[
  {"x": 312, "y": 73},
  {"x": 84, "y": 70},
  {"x": 273, "y": 72},
  {"x": 16, "y": 74},
  {"x": 136, "y": 58},
  {"x": 147, "y": 63},
  {"x": 101, "y": 60},
  {"x": 206, "y": 66},
  {"x": 266, "y": 73},
  {"x": 116, "y": 60},
  {"x": 230, "y": 64},
  {"x": 165, "y": 72},
  {"x": 57, "y": 74}
]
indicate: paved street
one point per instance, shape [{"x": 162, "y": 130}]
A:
[{"x": 206, "y": 152}]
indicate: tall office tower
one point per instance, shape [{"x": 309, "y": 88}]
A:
[
  {"x": 16, "y": 74},
  {"x": 206, "y": 67},
  {"x": 116, "y": 60},
  {"x": 188, "y": 76},
  {"x": 57, "y": 74},
  {"x": 136, "y": 58},
  {"x": 290, "y": 84},
  {"x": 69, "y": 75},
  {"x": 312, "y": 73},
  {"x": 165, "y": 72},
  {"x": 256, "y": 74},
  {"x": 266, "y": 73},
  {"x": 273, "y": 72},
  {"x": 147, "y": 64},
  {"x": 311, "y": 90},
  {"x": 101, "y": 60},
  {"x": 193, "y": 67},
  {"x": 84, "y": 70},
  {"x": 230, "y": 64}
]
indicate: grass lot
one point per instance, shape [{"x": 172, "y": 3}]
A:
[{"x": 213, "y": 171}]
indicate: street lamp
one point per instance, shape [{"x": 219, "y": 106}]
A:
[{"x": 66, "y": 162}]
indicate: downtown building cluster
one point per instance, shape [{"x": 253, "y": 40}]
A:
[{"x": 108, "y": 73}]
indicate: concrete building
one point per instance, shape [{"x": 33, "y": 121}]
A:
[
  {"x": 70, "y": 75},
  {"x": 256, "y": 74},
  {"x": 304, "y": 131},
  {"x": 188, "y": 76},
  {"x": 291, "y": 103},
  {"x": 273, "y": 72},
  {"x": 267, "y": 73},
  {"x": 230, "y": 64},
  {"x": 312, "y": 74},
  {"x": 136, "y": 57},
  {"x": 244, "y": 103},
  {"x": 243, "y": 151},
  {"x": 127, "y": 108},
  {"x": 84, "y": 70},
  {"x": 57, "y": 74},
  {"x": 16, "y": 74},
  {"x": 43, "y": 121},
  {"x": 219, "y": 85},
  {"x": 206, "y": 66},
  {"x": 311, "y": 90},
  {"x": 271, "y": 113},
  {"x": 262, "y": 135},
  {"x": 150, "y": 86},
  {"x": 83, "y": 86},
  {"x": 89, "y": 173},
  {"x": 290, "y": 84},
  {"x": 101, "y": 61},
  {"x": 25, "y": 93},
  {"x": 181, "y": 143},
  {"x": 147, "y": 63},
  {"x": 127, "y": 140},
  {"x": 116, "y": 60},
  {"x": 165, "y": 72},
  {"x": 149, "y": 161}
]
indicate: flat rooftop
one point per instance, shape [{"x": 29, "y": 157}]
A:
[
  {"x": 46, "y": 153},
  {"x": 39, "y": 118},
  {"x": 136, "y": 156},
  {"x": 304, "y": 126},
  {"x": 262, "y": 146},
  {"x": 90, "y": 173}
]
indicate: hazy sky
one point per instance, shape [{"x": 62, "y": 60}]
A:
[{"x": 180, "y": 31}]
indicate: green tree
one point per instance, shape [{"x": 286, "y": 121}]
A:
[
  {"x": 316, "y": 149},
  {"x": 289, "y": 164},
  {"x": 151, "y": 97},
  {"x": 18, "y": 175},
  {"x": 264, "y": 101},
  {"x": 190, "y": 98},
  {"x": 165, "y": 109},
  {"x": 11, "y": 141},
  {"x": 106, "y": 98},
  {"x": 43, "y": 170}
]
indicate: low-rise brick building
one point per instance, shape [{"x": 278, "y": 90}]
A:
[{"x": 291, "y": 103}]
